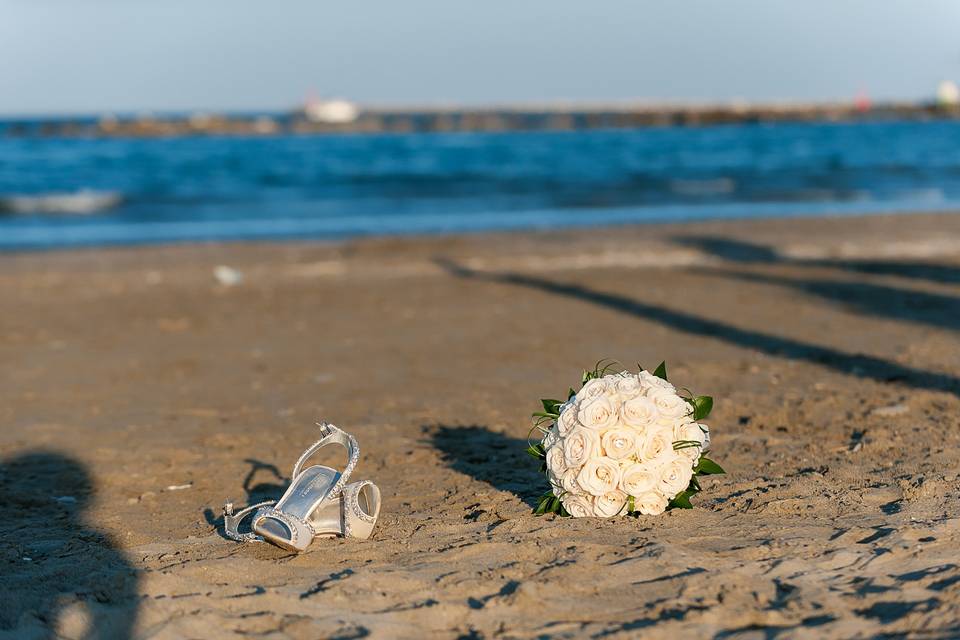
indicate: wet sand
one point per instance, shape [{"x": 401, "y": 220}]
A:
[{"x": 137, "y": 394}]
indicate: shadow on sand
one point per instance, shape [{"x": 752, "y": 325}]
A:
[
  {"x": 59, "y": 574},
  {"x": 741, "y": 252},
  {"x": 853, "y": 364},
  {"x": 495, "y": 458},
  {"x": 877, "y": 300},
  {"x": 254, "y": 492}
]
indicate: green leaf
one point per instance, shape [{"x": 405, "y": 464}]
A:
[
  {"x": 661, "y": 370},
  {"x": 551, "y": 406},
  {"x": 571, "y": 393},
  {"x": 550, "y": 503},
  {"x": 707, "y": 467},
  {"x": 537, "y": 451},
  {"x": 694, "y": 484},
  {"x": 682, "y": 501},
  {"x": 631, "y": 505},
  {"x": 542, "y": 504},
  {"x": 544, "y": 414},
  {"x": 702, "y": 405}
]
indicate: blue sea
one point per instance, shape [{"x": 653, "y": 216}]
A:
[{"x": 60, "y": 192}]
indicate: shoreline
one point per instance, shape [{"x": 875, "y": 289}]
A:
[
  {"x": 627, "y": 226},
  {"x": 927, "y": 228},
  {"x": 139, "y": 393}
]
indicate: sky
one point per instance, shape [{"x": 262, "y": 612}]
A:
[{"x": 96, "y": 56}]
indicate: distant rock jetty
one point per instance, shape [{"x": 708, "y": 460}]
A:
[{"x": 380, "y": 120}]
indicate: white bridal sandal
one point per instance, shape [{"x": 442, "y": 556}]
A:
[{"x": 318, "y": 503}]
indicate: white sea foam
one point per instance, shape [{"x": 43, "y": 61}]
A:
[{"x": 82, "y": 202}]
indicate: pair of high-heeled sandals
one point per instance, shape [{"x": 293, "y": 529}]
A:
[{"x": 318, "y": 503}]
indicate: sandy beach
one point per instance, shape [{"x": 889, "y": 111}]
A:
[{"x": 138, "y": 393}]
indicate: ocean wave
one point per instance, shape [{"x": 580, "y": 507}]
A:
[{"x": 82, "y": 202}]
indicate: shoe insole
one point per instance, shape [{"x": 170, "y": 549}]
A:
[{"x": 313, "y": 484}]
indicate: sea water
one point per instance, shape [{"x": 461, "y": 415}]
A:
[{"x": 60, "y": 192}]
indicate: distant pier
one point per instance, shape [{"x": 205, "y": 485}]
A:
[{"x": 426, "y": 120}]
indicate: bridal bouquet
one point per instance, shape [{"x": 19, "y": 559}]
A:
[{"x": 624, "y": 443}]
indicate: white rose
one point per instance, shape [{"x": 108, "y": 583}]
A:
[
  {"x": 650, "y": 503},
  {"x": 669, "y": 404},
  {"x": 579, "y": 446},
  {"x": 651, "y": 381},
  {"x": 599, "y": 475},
  {"x": 689, "y": 432},
  {"x": 619, "y": 443},
  {"x": 597, "y": 413},
  {"x": 609, "y": 504},
  {"x": 639, "y": 412},
  {"x": 569, "y": 481},
  {"x": 555, "y": 461},
  {"x": 568, "y": 418},
  {"x": 638, "y": 479},
  {"x": 657, "y": 445},
  {"x": 592, "y": 389},
  {"x": 628, "y": 386},
  {"x": 675, "y": 476},
  {"x": 577, "y": 506}
]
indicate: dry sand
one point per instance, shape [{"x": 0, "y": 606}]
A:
[{"x": 137, "y": 394}]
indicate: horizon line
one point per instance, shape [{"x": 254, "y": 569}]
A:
[{"x": 545, "y": 106}]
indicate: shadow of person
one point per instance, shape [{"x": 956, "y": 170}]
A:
[
  {"x": 681, "y": 321},
  {"x": 60, "y": 577},
  {"x": 495, "y": 458}
]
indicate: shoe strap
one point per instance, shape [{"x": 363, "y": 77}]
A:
[
  {"x": 232, "y": 519},
  {"x": 358, "y": 523},
  {"x": 331, "y": 435},
  {"x": 301, "y": 532}
]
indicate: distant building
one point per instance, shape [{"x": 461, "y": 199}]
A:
[
  {"x": 330, "y": 111},
  {"x": 948, "y": 94}
]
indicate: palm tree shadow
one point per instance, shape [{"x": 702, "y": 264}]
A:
[
  {"x": 880, "y": 301},
  {"x": 488, "y": 456},
  {"x": 53, "y": 560},
  {"x": 855, "y": 364},
  {"x": 742, "y": 252}
]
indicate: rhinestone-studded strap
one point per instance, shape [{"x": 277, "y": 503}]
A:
[
  {"x": 231, "y": 521},
  {"x": 356, "y": 521},
  {"x": 301, "y": 531},
  {"x": 331, "y": 435}
]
